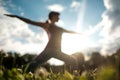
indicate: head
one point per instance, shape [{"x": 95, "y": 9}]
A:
[{"x": 54, "y": 16}]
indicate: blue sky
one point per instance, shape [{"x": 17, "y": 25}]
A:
[
  {"x": 97, "y": 19},
  {"x": 39, "y": 9}
]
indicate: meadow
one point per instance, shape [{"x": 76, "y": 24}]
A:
[{"x": 98, "y": 67}]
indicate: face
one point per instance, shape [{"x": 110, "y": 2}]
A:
[{"x": 56, "y": 18}]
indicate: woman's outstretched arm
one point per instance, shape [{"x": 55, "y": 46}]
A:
[
  {"x": 69, "y": 31},
  {"x": 41, "y": 24}
]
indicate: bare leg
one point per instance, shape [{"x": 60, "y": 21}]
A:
[
  {"x": 69, "y": 60},
  {"x": 40, "y": 59},
  {"x": 46, "y": 55}
]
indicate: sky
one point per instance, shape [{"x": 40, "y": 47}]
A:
[{"x": 97, "y": 20}]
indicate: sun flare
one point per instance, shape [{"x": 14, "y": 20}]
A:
[{"x": 72, "y": 43}]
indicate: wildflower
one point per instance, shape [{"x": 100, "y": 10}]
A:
[
  {"x": 30, "y": 74},
  {"x": 76, "y": 73},
  {"x": 19, "y": 70},
  {"x": 41, "y": 72}
]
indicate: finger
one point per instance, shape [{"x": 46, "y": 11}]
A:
[{"x": 5, "y": 14}]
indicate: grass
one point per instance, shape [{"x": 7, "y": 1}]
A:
[
  {"x": 103, "y": 73},
  {"x": 107, "y": 71}
]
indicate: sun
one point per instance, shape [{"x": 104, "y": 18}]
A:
[{"x": 72, "y": 43}]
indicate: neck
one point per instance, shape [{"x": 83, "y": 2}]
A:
[{"x": 51, "y": 22}]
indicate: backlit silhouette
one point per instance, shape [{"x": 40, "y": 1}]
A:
[{"x": 53, "y": 48}]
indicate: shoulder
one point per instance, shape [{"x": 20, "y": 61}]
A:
[
  {"x": 60, "y": 28},
  {"x": 43, "y": 24}
]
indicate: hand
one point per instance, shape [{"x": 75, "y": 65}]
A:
[{"x": 10, "y": 15}]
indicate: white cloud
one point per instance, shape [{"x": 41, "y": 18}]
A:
[
  {"x": 109, "y": 45},
  {"x": 14, "y": 32},
  {"x": 111, "y": 19},
  {"x": 56, "y": 7},
  {"x": 23, "y": 48},
  {"x": 110, "y": 28},
  {"x": 2, "y": 9},
  {"x": 9, "y": 4},
  {"x": 112, "y": 4},
  {"x": 75, "y": 5}
]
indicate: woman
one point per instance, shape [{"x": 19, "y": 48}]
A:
[{"x": 53, "y": 48}]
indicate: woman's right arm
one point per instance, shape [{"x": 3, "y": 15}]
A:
[{"x": 41, "y": 24}]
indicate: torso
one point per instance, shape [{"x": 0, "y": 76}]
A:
[{"x": 55, "y": 36}]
